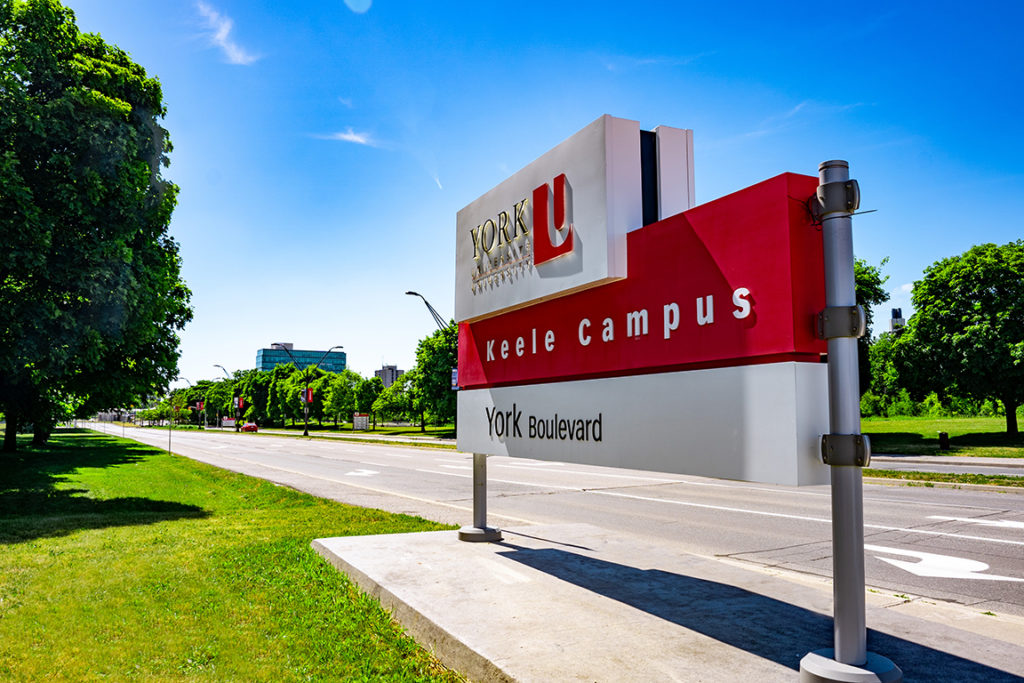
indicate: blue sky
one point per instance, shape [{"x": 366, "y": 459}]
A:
[{"x": 323, "y": 148}]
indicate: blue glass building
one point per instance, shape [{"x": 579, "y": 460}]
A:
[{"x": 268, "y": 359}]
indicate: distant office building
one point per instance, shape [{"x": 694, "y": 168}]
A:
[
  {"x": 388, "y": 374},
  {"x": 897, "y": 322},
  {"x": 268, "y": 359}
]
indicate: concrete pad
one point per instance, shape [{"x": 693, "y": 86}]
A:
[{"x": 575, "y": 602}]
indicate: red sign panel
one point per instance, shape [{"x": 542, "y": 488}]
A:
[{"x": 735, "y": 281}]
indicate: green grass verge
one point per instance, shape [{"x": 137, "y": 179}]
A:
[
  {"x": 948, "y": 477},
  {"x": 119, "y": 561},
  {"x": 358, "y": 439},
  {"x": 442, "y": 432},
  {"x": 968, "y": 436}
]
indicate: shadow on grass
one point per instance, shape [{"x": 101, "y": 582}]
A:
[
  {"x": 988, "y": 439},
  {"x": 914, "y": 443},
  {"x": 32, "y": 506},
  {"x": 903, "y": 443},
  {"x": 772, "y": 629}
]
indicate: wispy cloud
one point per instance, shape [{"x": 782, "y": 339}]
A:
[
  {"x": 798, "y": 115},
  {"x": 359, "y": 6},
  {"x": 347, "y": 101},
  {"x": 349, "y": 135},
  {"x": 220, "y": 27},
  {"x": 626, "y": 63}
]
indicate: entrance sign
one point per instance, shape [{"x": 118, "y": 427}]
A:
[
  {"x": 692, "y": 345},
  {"x": 560, "y": 223},
  {"x": 703, "y": 359}
]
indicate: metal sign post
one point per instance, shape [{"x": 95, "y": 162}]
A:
[
  {"x": 845, "y": 449},
  {"x": 479, "y": 531}
]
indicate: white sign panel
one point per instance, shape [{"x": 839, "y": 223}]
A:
[
  {"x": 557, "y": 225},
  {"x": 757, "y": 423}
]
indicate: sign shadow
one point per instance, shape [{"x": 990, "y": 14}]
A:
[{"x": 767, "y": 627}]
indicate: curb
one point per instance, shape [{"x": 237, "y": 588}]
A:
[{"x": 886, "y": 481}]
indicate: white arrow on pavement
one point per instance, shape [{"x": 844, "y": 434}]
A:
[
  {"x": 361, "y": 473},
  {"x": 938, "y": 566},
  {"x": 1004, "y": 523}
]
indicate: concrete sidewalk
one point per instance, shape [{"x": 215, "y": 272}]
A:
[
  {"x": 577, "y": 603},
  {"x": 967, "y": 462}
]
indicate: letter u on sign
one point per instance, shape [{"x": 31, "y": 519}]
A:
[{"x": 544, "y": 248}]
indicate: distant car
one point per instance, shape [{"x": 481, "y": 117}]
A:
[{"x": 249, "y": 427}]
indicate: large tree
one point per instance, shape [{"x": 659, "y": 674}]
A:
[
  {"x": 436, "y": 356},
  {"x": 967, "y": 330},
  {"x": 870, "y": 291},
  {"x": 340, "y": 401},
  {"x": 91, "y": 297}
]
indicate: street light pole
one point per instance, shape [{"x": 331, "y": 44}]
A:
[
  {"x": 170, "y": 420},
  {"x": 433, "y": 312},
  {"x": 443, "y": 327},
  {"x": 233, "y": 398},
  {"x": 305, "y": 394}
]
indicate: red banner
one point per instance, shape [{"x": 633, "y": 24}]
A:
[{"x": 735, "y": 281}]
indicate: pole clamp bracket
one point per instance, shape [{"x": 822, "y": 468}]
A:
[
  {"x": 846, "y": 450},
  {"x": 838, "y": 197},
  {"x": 841, "y": 321}
]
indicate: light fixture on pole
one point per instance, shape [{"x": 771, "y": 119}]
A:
[
  {"x": 306, "y": 398},
  {"x": 437, "y": 316},
  {"x": 443, "y": 327},
  {"x": 234, "y": 399}
]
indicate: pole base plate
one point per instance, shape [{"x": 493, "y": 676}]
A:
[
  {"x": 475, "y": 534},
  {"x": 820, "y": 667}
]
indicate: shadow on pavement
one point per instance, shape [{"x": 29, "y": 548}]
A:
[{"x": 766, "y": 627}]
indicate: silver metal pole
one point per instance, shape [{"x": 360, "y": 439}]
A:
[
  {"x": 479, "y": 531},
  {"x": 850, "y": 628},
  {"x": 847, "y": 449}
]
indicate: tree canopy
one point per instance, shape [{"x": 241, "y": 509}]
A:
[
  {"x": 91, "y": 297},
  {"x": 967, "y": 332},
  {"x": 436, "y": 355},
  {"x": 870, "y": 291}
]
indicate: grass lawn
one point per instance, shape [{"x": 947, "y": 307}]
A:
[
  {"x": 442, "y": 432},
  {"x": 119, "y": 561},
  {"x": 948, "y": 477},
  {"x": 970, "y": 436}
]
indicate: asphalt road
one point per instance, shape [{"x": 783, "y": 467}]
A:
[{"x": 960, "y": 545}]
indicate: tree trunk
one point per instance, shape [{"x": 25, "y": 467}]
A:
[
  {"x": 1011, "y": 416},
  {"x": 41, "y": 433},
  {"x": 423, "y": 421},
  {"x": 11, "y": 433}
]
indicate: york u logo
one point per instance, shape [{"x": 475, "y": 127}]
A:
[
  {"x": 539, "y": 228},
  {"x": 553, "y": 230}
]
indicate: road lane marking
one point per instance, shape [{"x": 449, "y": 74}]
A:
[
  {"x": 429, "y": 501},
  {"x": 938, "y": 566},
  {"x": 507, "y": 481},
  {"x": 601, "y": 474},
  {"x": 803, "y": 518},
  {"x": 1003, "y": 523},
  {"x": 362, "y": 473}
]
